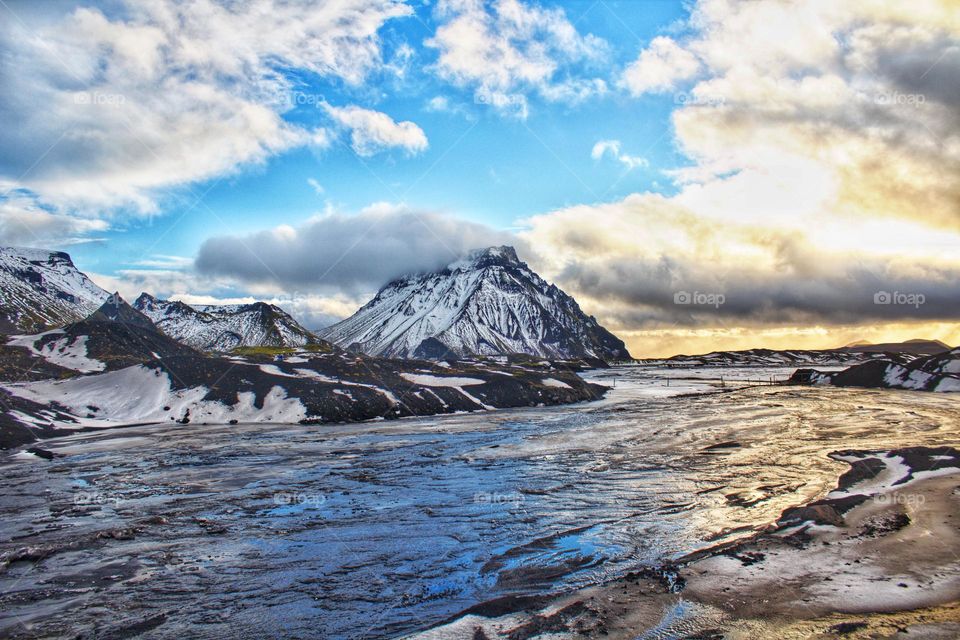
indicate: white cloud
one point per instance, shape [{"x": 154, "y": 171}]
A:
[
  {"x": 312, "y": 311},
  {"x": 612, "y": 148},
  {"x": 372, "y": 131},
  {"x": 439, "y": 104},
  {"x": 659, "y": 67},
  {"x": 316, "y": 186},
  {"x": 824, "y": 141},
  {"x": 23, "y": 222},
  {"x": 160, "y": 261},
  {"x": 104, "y": 111},
  {"x": 509, "y": 49}
]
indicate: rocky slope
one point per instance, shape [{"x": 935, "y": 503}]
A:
[
  {"x": 112, "y": 337},
  {"x": 490, "y": 303},
  {"x": 116, "y": 368},
  {"x": 770, "y": 358},
  {"x": 42, "y": 289},
  {"x": 223, "y": 328},
  {"x": 940, "y": 372}
]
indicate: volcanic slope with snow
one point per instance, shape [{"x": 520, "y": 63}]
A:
[
  {"x": 939, "y": 372},
  {"x": 222, "y": 328},
  {"x": 41, "y": 289},
  {"x": 489, "y": 303}
]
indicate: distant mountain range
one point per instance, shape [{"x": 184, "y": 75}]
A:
[
  {"x": 917, "y": 347},
  {"x": 224, "y": 328},
  {"x": 489, "y": 303},
  {"x": 78, "y": 357},
  {"x": 843, "y": 356},
  {"x": 937, "y": 372},
  {"x": 116, "y": 367}
]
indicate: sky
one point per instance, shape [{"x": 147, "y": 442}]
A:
[{"x": 699, "y": 175}]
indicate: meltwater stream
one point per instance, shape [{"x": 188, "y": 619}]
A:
[{"x": 381, "y": 529}]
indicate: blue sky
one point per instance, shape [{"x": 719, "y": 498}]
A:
[
  {"x": 479, "y": 164},
  {"x": 305, "y": 153}
]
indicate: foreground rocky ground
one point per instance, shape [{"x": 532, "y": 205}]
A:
[
  {"x": 878, "y": 557},
  {"x": 396, "y": 526}
]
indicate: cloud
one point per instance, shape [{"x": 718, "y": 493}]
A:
[
  {"x": 507, "y": 50},
  {"x": 659, "y": 67},
  {"x": 372, "y": 131},
  {"x": 346, "y": 254},
  {"x": 824, "y": 147},
  {"x": 612, "y": 148},
  {"x": 316, "y": 186},
  {"x": 637, "y": 254},
  {"x": 105, "y": 110},
  {"x": 312, "y": 311},
  {"x": 23, "y": 222},
  {"x": 443, "y": 104},
  {"x": 439, "y": 104}
]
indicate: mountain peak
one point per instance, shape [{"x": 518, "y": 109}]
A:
[
  {"x": 489, "y": 303},
  {"x": 225, "y": 327},
  {"x": 503, "y": 253},
  {"x": 116, "y": 309},
  {"x": 41, "y": 289}
]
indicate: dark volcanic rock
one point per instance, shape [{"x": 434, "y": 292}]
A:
[
  {"x": 939, "y": 372},
  {"x": 330, "y": 387}
]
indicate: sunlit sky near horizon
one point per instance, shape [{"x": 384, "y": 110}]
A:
[{"x": 799, "y": 159}]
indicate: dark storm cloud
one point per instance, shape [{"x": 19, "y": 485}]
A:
[
  {"x": 649, "y": 294},
  {"x": 350, "y": 253}
]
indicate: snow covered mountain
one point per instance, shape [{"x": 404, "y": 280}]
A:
[
  {"x": 222, "y": 328},
  {"x": 112, "y": 337},
  {"x": 115, "y": 368},
  {"x": 937, "y": 372},
  {"x": 769, "y": 358},
  {"x": 42, "y": 289},
  {"x": 489, "y": 303}
]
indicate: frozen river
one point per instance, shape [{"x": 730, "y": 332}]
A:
[{"x": 381, "y": 529}]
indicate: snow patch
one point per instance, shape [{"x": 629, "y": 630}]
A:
[
  {"x": 440, "y": 381},
  {"x": 274, "y": 370},
  {"x": 64, "y": 352},
  {"x": 140, "y": 394}
]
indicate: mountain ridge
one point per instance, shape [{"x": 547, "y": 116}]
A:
[
  {"x": 227, "y": 327},
  {"x": 42, "y": 289},
  {"x": 488, "y": 303}
]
